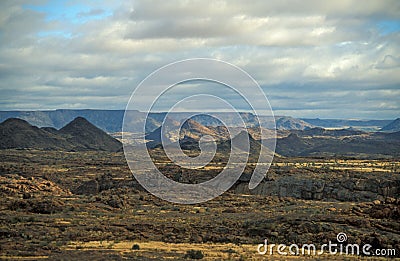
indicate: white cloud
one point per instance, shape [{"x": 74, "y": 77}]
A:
[{"x": 301, "y": 44}]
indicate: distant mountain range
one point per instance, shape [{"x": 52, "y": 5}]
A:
[
  {"x": 78, "y": 135},
  {"x": 111, "y": 120},
  {"x": 315, "y": 142},
  {"x": 367, "y": 125},
  {"x": 107, "y": 120},
  {"x": 81, "y": 135}
]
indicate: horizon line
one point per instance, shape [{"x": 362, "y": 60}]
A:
[{"x": 307, "y": 118}]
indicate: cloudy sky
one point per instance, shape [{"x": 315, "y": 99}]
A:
[{"x": 326, "y": 59}]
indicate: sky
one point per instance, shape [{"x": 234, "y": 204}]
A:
[{"x": 313, "y": 59}]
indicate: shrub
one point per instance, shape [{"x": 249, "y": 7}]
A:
[
  {"x": 194, "y": 254},
  {"x": 135, "y": 247}
]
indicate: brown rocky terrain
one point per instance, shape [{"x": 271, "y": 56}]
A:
[
  {"x": 16, "y": 185},
  {"x": 79, "y": 199},
  {"x": 87, "y": 205},
  {"x": 310, "y": 182}
]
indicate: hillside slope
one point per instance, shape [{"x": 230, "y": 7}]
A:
[
  {"x": 78, "y": 135},
  {"x": 394, "y": 126}
]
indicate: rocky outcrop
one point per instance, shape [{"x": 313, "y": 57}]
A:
[
  {"x": 103, "y": 183},
  {"x": 90, "y": 187},
  {"x": 304, "y": 187},
  {"x": 12, "y": 185}
]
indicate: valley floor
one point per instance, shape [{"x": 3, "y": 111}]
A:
[{"x": 86, "y": 205}]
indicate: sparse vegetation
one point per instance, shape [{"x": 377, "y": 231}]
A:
[
  {"x": 120, "y": 216},
  {"x": 194, "y": 254}
]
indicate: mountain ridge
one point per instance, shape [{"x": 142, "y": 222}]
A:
[
  {"x": 394, "y": 126},
  {"x": 111, "y": 120},
  {"x": 78, "y": 135}
]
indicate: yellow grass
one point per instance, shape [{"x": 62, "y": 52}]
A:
[
  {"x": 211, "y": 251},
  {"x": 23, "y": 257}
]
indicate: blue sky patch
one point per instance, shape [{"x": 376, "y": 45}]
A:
[{"x": 64, "y": 10}]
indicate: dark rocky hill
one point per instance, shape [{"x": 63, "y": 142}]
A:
[
  {"x": 394, "y": 126},
  {"x": 77, "y": 135},
  {"x": 154, "y": 137},
  {"x": 242, "y": 140},
  {"x": 50, "y": 129},
  {"x": 17, "y": 133},
  {"x": 292, "y": 145},
  {"x": 289, "y": 123},
  {"x": 86, "y": 136},
  {"x": 190, "y": 129}
]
